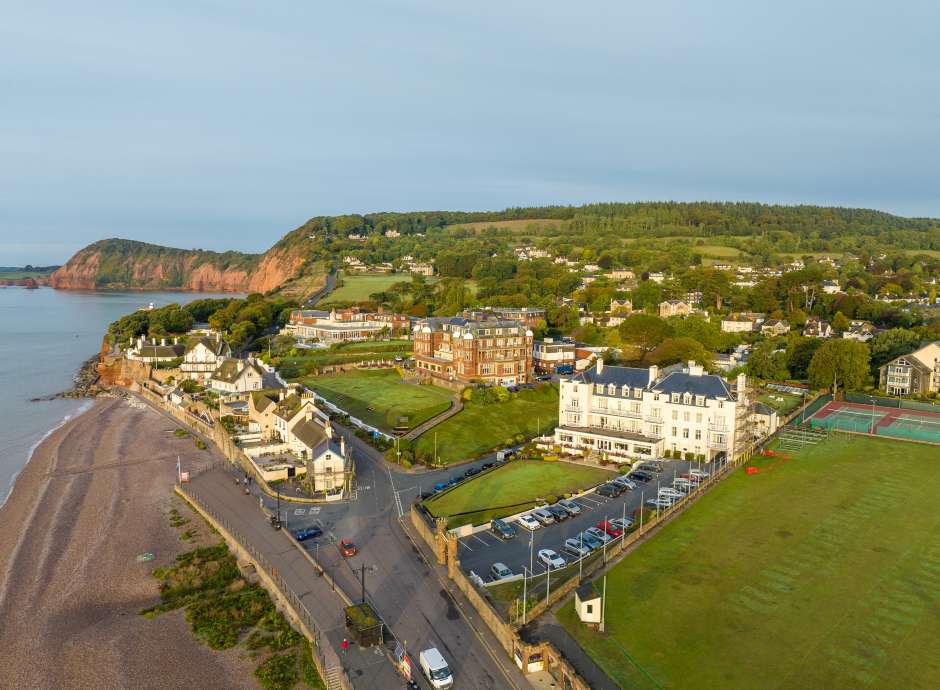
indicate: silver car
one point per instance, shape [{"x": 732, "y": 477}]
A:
[
  {"x": 543, "y": 516},
  {"x": 577, "y": 547},
  {"x": 572, "y": 507},
  {"x": 624, "y": 482},
  {"x": 599, "y": 534}
]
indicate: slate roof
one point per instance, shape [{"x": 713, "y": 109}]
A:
[
  {"x": 168, "y": 351},
  {"x": 619, "y": 376},
  {"x": 231, "y": 369},
  {"x": 310, "y": 433},
  {"x": 264, "y": 399},
  {"x": 216, "y": 346},
  {"x": 709, "y": 385},
  {"x": 289, "y": 406},
  {"x": 763, "y": 409}
]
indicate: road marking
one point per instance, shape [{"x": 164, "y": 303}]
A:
[
  {"x": 299, "y": 511},
  {"x": 482, "y": 541},
  {"x": 464, "y": 544}
]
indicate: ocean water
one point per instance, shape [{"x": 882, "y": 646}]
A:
[{"x": 45, "y": 335}]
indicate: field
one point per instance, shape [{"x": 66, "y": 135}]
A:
[
  {"x": 381, "y": 399},
  {"x": 716, "y": 251},
  {"x": 479, "y": 428},
  {"x": 516, "y": 226},
  {"x": 822, "y": 571},
  {"x": 511, "y": 489},
  {"x": 357, "y": 287}
]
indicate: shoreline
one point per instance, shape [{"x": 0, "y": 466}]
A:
[{"x": 83, "y": 408}]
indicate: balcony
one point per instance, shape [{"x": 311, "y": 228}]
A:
[
  {"x": 653, "y": 419},
  {"x": 617, "y": 413},
  {"x": 719, "y": 428},
  {"x": 718, "y": 445}
]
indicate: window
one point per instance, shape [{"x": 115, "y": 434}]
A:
[
  {"x": 700, "y": 400},
  {"x": 687, "y": 398},
  {"x": 589, "y": 608},
  {"x": 675, "y": 415},
  {"x": 675, "y": 431},
  {"x": 685, "y": 433},
  {"x": 686, "y": 416},
  {"x": 599, "y": 388},
  {"x": 698, "y": 418},
  {"x": 601, "y": 403},
  {"x": 675, "y": 397},
  {"x": 698, "y": 434}
]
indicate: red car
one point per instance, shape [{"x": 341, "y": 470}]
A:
[
  {"x": 347, "y": 548},
  {"x": 610, "y": 529}
]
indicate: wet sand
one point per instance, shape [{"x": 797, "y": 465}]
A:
[{"x": 96, "y": 494}]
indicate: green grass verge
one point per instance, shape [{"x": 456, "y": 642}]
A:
[
  {"x": 480, "y": 427},
  {"x": 822, "y": 571},
  {"x": 357, "y": 287},
  {"x": 512, "y": 488},
  {"x": 380, "y": 398}
]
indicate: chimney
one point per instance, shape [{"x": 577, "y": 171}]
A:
[
  {"x": 342, "y": 446},
  {"x": 600, "y": 365},
  {"x": 741, "y": 384},
  {"x": 280, "y": 395},
  {"x": 654, "y": 374},
  {"x": 162, "y": 342},
  {"x": 328, "y": 427},
  {"x": 140, "y": 342},
  {"x": 695, "y": 369},
  {"x": 176, "y": 340}
]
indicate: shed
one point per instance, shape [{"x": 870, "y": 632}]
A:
[{"x": 587, "y": 603}]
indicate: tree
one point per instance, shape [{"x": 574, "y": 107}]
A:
[
  {"x": 839, "y": 363},
  {"x": 673, "y": 350},
  {"x": 800, "y": 353},
  {"x": 643, "y": 331},
  {"x": 840, "y": 323},
  {"x": 893, "y": 343},
  {"x": 768, "y": 363}
]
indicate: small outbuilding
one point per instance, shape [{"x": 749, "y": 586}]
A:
[{"x": 587, "y": 603}]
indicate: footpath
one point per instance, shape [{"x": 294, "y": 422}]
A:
[{"x": 365, "y": 668}]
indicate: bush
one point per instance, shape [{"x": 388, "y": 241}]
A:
[
  {"x": 690, "y": 456},
  {"x": 278, "y": 672}
]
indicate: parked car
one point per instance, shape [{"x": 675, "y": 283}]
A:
[
  {"x": 570, "y": 506},
  {"x": 623, "y": 523},
  {"x": 641, "y": 476},
  {"x": 609, "y": 527},
  {"x": 671, "y": 493},
  {"x": 543, "y": 516},
  {"x": 499, "y": 571},
  {"x": 577, "y": 547},
  {"x": 551, "y": 560},
  {"x": 347, "y": 548},
  {"x": 598, "y": 534},
  {"x": 502, "y": 529},
  {"x": 590, "y": 540},
  {"x": 654, "y": 466},
  {"x": 529, "y": 522},
  {"x": 435, "y": 669},
  {"x": 455, "y": 480},
  {"x": 608, "y": 490},
  {"x": 472, "y": 471},
  {"x": 625, "y": 482},
  {"x": 440, "y": 486},
  {"x": 487, "y": 465},
  {"x": 309, "y": 533},
  {"x": 558, "y": 512}
]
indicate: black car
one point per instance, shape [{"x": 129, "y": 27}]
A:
[
  {"x": 641, "y": 476},
  {"x": 559, "y": 513},
  {"x": 472, "y": 471},
  {"x": 487, "y": 465},
  {"x": 309, "y": 533},
  {"x": 653, "y": 466},
  {"x": 502, "y": 529},
  {"x": 608, "y": 490}
]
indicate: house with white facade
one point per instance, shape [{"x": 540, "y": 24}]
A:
[
  {"x": 623, "y": 413},
  {"x": 859, "y": 331},
  {"x": 154, "y": 351},
  {"x": 203, "y": 356},
  {"x": 775, "y": 327},
  {"x": 916, "y": 373},
  {"x": 237, "y": 376},
  {"x": 817, "y": 328},
  {"x": 831, "y": 287},
  {"x": 742, "y": 323}
]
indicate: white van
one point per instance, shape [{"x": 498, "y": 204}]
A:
[{"x": 435, "y": 668}]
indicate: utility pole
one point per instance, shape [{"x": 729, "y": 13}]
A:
[
  {"x": 603, "y": 603},
  {"x": 525, "y": 593}
]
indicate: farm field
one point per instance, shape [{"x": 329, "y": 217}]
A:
[
  {"x": 822, "y": 571},
  {"x": 512, "y": 488},
  {"x": 517, "y": 226},
  {"x": 380, "y": 398},
  {"x": 479, "y": 427}
]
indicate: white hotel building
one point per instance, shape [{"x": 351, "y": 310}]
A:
[{"x": 625, "y": 412}]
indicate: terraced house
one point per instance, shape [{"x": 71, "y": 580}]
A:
[
  {"x": 626, "y": 412},
  {"x": 468, "y": 350},
  {"x": 203, "y": 356}
]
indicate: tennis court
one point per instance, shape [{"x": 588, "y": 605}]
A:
[{"x": 893, "y": 422}]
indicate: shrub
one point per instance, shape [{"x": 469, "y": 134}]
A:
[
  {"x": 690, "y": 456},
  {"x": 278, "y": 672}
]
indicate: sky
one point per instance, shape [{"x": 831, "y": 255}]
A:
[{"x": 223, "y": 125}]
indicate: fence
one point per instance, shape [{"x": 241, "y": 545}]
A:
[
  {"x": 901, "y": 403},
  {"x": 332, "y": 672}
]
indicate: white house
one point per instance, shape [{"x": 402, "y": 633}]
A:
[
  {"x": 237, "y": 376},
  {"x": 152, "y": 351},
  {"x": 741, "y": 323},
  {"x": 817, "y": 328},
  {"x": 860, "y": 331},
  {"x": 587, "y": 603},
  {"x": 203, "y": 356},
  {"x": 625, "y": 412},
  {"x": 831, "y": 287}
]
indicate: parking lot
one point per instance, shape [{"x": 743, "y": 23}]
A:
[{"x": 479, "y": 551}]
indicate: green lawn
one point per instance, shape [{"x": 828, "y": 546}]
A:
[
  {"x": 479, "y": 428},
  {"x": 306, "y": 363},
  {"x": 512, "y": 488},
  {"x": 785, "y": 406},
  {"x": 819, "y": 572},
  {"x": 357, "y": 287},
  {"x": 380, "y": 398}
]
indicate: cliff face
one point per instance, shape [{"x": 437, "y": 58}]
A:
[{"x": 125, "y": 264}]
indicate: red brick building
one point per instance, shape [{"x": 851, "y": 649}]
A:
[{"x": 468, "y": 350}]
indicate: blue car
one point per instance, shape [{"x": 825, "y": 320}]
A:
[
  {"x": 309, "y": 533},
  {"x": 440, "y": 486}
]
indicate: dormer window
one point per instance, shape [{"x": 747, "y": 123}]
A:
[
  {"x": 611, "y": 389},
  {"x": 625, "y": 391},
  {"x": 700, "y": 400},
  {"x": 687, "y": 399},
  {"x": 599, "y": 388},
  {"x": 675, "y": 397}
]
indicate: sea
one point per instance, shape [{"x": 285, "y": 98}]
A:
[{"x": 45, "y": 336}]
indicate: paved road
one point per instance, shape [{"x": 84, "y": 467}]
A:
[
  {"x": 479, "y": 551},
  {"x": 405, "y": 591}
]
